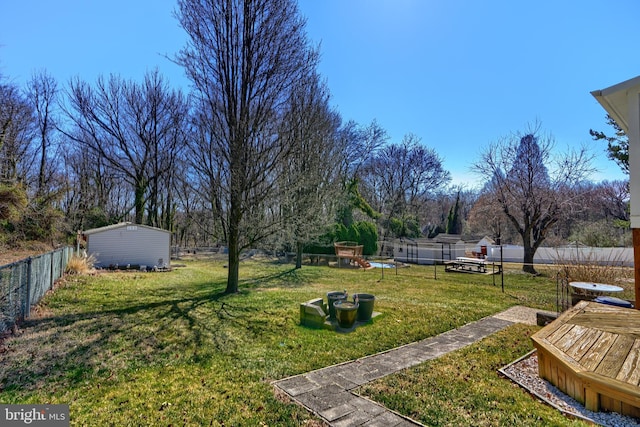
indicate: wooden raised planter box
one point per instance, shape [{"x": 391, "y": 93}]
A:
[{"x": 592, "y": 353}]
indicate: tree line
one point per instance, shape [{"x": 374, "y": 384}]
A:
[{"x": 255, "y": 155}]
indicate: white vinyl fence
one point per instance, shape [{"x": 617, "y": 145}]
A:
[
  {"x": 604, "y": 256},
  {"x": 430, "y": 253}
]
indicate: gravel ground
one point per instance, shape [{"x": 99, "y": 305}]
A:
[{"x": 525, "y": 373}]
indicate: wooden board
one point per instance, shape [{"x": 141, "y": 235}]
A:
[{"x": 630, "y": 371}]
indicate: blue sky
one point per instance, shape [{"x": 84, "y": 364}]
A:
[{"x": 458, "y": 74}]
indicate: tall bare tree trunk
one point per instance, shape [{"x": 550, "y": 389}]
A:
[
  {"x": 138, "y": 202},
  {"x": 234, "y": 261},
  {"x": 299, "y": 251},
  {"x": 244, "y": 57},
  {"x": 235, "y": 219},
  {"x": 527, "y": 261}
]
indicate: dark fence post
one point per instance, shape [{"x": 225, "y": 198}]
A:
[
  {"x": 27, "y": 308},
  {"x": 63, "y": 259},
  {"x": 501, "y": 269},
  {"x": 52, "y": 257}
]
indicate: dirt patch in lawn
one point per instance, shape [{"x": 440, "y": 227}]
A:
[{"x": 9, "y": 255}]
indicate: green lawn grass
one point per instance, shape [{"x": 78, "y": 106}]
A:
[
  {"x": 463, "y": 389},
  {"x": 129, "y": 348}
]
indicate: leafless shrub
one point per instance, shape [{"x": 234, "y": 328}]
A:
[
  {"x": 80, "y": 265},
  {"x": 591, "y": 266}
]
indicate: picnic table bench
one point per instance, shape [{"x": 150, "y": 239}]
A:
[{"x": 471, "y": 265}]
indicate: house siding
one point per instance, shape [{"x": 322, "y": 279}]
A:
[{"x": 130, "y": 244}]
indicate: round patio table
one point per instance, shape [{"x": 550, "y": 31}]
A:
[
  {"x": 590, "y": 287},
  {"x": 588, "y": 291}
]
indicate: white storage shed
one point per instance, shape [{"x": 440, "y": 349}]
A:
[{"x": 132, "y": 244}]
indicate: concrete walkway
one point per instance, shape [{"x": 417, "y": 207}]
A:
[{"x": 327, "y": 391}]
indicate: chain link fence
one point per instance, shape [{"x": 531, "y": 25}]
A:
[{"x": 24, "y": 283}]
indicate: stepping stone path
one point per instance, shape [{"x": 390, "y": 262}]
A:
[{"x": 327, "y": 392}]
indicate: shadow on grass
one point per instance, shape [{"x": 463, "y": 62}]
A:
[{"x": 102, "y": 344}]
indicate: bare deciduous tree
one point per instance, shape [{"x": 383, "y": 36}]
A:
[
  {"x": 43, "y": 92},
  {"x": 244, "y": 57},
  {"x": 359, "y": 145},
  {"x": 16, "y": 128},
  {"x": 400, "y": 176},
  {"x": 208, "y": 179},
  {"x": 16, "y": 132},
  {"x": 531, "y": 196},
  {"x": 137, "y": 129},
  {"x": 312, "y": 178},
  {"x": 486, "y": 217}
]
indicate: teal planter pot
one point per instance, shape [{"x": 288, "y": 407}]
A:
[
  {"x": 346, "y": 313},
  {"x": 365, "y": 306},
  {"x": 332, "y": 297}
]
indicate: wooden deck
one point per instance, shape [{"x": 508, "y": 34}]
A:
[{"x": 592, "y": 353}]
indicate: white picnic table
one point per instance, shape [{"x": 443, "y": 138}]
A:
[{"x": 469, "y": 265}]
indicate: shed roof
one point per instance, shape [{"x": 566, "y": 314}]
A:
[
  {"x": 120, "y": 225},
  {"x": 447, "y": 238}
]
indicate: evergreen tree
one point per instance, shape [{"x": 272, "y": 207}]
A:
[
  {"x": 617, "y": 145},
  {"x": 454, "y": 221}
]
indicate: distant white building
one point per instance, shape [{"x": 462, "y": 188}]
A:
[{"x": 129, "y": 244}]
